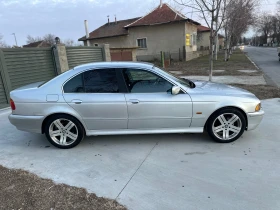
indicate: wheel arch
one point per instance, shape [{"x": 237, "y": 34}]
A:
[
  {"x": 60, "y": 113},
  {"x": 228, "y": 107}
]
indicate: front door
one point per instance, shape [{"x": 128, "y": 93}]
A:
[
  {"x": 151, "y": 104},
  {"x": 96, "y": 96}
]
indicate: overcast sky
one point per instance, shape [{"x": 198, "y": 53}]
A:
[{"x": 65, "y": 18}]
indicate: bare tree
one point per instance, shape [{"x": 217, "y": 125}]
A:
[
  {"x": 265, "y": 25},
  {"x": 69, "y": 42},
  {"x": 30, "y": 39},
  {"x": 239, "y": 17},
  {"x": 212, "y": 11},
  {"x": 49, "y": 38},
  {"x": 3, "y": 43}
]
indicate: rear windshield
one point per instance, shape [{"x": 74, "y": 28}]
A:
[{"x": 52, "y": 79}]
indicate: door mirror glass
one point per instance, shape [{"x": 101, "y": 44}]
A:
[{"x": 175, "y": 90}]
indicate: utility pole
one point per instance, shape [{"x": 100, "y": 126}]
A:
[{"x": 15, "y": 38}]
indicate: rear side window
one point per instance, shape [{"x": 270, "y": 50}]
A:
[
  {"x": 75, "y": 85},
  {"x": 93, "y": 81},
  {"x": 101, "y": 81}
]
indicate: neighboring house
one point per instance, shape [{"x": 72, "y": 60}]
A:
[
  {"x": 38, "y": 44},
  {"x": 203, "y": 40},
  {"x": 163, "y": 29}
]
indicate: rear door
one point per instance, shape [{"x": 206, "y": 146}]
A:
[
  {"x": 96, "y": 95},
  {"x": 151, "y": 104}
]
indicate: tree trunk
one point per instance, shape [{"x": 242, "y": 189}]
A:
[{"x": 211, "y": 48}]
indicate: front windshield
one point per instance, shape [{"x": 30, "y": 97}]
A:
[{"x": 183, "y": 82}]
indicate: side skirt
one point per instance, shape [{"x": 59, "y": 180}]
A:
[{"x": 144, "y": 131}]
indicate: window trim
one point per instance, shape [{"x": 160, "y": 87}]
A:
[
  {"x": 146, "y": 43},
  {"x": 122, "y": 91}
]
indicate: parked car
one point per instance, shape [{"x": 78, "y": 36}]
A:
[
  {"x": 278, "y": 50},
  {"x": 131, "y": 98}
]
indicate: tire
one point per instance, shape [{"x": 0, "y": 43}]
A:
[
  {"x": 64, "y": 131},
  {"x": 226, "y": 125}
]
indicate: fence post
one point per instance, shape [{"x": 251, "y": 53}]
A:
[
  {"x": 60, "y": 57},
  {"x": 180, "y": 59},
  {"x": 162, "y": 58},
  {"x": 184, "y": 53},
  {"x": 106, "y": 53}
]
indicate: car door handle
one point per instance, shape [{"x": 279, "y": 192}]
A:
[
  {"x": 134, "y": 101},
  {"x": 77, "y": 101}
]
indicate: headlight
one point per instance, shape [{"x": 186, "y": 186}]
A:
[{"x": 258, "y": 107}]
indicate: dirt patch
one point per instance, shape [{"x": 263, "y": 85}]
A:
[
  {"x": 261, "y": 91},
  {"x": 22, "y": 190},
  {"x": 200, "y": 66}
]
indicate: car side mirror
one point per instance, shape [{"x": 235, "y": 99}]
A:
[{"x": 175, "y": 90}]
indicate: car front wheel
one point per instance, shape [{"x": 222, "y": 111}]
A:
[
  {"x": 64, "y": 131},
  {"x": 226, "y": 125}
]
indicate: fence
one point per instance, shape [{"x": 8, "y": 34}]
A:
[
  {"x": 80, "y": 55},
  {"x": 22, "y": 66}
]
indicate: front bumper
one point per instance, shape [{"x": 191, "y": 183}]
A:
[
  {"x": 27, "y": 123},
  {"x": 254, "y": 119}
]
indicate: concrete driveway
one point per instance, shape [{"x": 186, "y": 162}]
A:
[
  {"x": 146, "y": 172},
  {"x": 268, "y": 61}
]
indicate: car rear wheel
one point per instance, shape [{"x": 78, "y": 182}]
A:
[
  {"x": 64, "y": 131},
  {"x": 226, "y": 125}
]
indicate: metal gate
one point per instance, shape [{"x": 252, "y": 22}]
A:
[
  {"x": 82, "y": 55},
  {"x": 121, "y": 55},
  {"x": 3, "y": 96},
  {"x": 22, "y": 66}
]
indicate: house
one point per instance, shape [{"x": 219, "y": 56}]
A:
[
  {"x": 37, "y": 44},
  {"x": 163, "y": 29},
  {"x": 203, "y": 39}
]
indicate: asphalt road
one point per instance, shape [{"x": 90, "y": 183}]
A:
[{"x": 267, "y": 60}]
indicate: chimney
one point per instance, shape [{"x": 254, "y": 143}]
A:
[
  {"x": 108, "y": 19},
  {"x": 160, "y": 5},
  {"x": 115, "y": 19},
  {"x": 87, "y": 34}
]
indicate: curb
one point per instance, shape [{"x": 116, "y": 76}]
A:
[
  {"x": 266, "y": 78},
  {"x": 252, "y": 61}
]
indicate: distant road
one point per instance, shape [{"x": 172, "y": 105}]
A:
[{"x": 267, "y": 60}]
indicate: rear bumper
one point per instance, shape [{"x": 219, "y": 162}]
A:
[
  {"x": 254, "y": 119},
  {"x": 27, "y": 123}
]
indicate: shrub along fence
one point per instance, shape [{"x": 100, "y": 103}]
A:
[{"x": 22, "y": 66}]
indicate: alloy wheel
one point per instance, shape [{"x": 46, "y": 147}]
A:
[
  {"x": 63, "y": 132},
  {"x": 227, "y": 126}
]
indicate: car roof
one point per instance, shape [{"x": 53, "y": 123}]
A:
[{"x": 114, "y": 64}]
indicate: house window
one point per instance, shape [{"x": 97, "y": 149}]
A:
[{"x": 142, "y": 43}]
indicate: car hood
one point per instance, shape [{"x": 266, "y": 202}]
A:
[{"x": 212, "y": 87}]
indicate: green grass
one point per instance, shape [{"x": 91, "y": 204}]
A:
[{"x": 238, "y": 61}]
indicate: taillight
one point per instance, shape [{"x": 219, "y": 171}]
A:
[{"x": 12, "y": 103}]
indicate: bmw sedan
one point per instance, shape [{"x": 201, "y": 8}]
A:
[{"x": 111, "y": 98}]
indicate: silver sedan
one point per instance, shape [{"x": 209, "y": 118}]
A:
[{"x": 112, "y": 98}]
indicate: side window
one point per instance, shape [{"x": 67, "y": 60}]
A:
[
  {"x": 101, "y": 81},
  {"x": 141, "y": 81},
  {"x": 75, "y": 85}
]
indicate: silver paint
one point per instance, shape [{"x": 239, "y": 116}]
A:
[{"x": 130, "y": 113}]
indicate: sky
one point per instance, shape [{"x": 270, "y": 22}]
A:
[{"x": 65, "y": 18}]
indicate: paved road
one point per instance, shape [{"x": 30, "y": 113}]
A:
[
  {"x": 267, "y": 60},
  {"x": 160, "y": 172}
]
